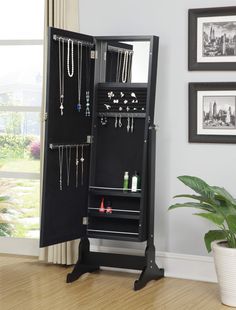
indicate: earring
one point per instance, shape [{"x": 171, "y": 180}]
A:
[
  {"x": 132, "y": 124},
  {"x": 128, "y": 123},
  {"x": 116, "y": 121},
  {"x": 120, "y": 122},
  {"x": 103, "y": 120}
]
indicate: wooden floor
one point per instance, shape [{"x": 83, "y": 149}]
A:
[{"x": 26, "y": 284}]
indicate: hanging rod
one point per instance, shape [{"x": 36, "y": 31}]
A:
[
  {"x": 119, "y": 49},
  {"x": 118, "y": 114},
  {"x": 53, "y": 146},
  {"x": 85, "y": 43}
]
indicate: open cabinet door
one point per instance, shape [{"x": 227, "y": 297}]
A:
[{"x": 64, "y": 207}]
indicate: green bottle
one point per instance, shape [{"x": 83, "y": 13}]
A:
[{"x": 126, "y": 181}]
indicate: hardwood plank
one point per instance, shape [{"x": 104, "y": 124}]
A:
[{"x": 26, "y": 284}]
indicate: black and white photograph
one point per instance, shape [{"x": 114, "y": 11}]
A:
[
  {"x": 212, "y": 108},
  {"x": 218, "y": 112},
  {"x": 219, "y": 39},
  {"x": 212, "y": 39}
]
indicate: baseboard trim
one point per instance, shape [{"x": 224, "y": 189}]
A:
[
  {"x": 182, "y": 266},
  {"x": 19, "y": 246}
]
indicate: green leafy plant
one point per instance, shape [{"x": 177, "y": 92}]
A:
[
  {"x": 216, "y": 205},
  {"x": 6, "y": 227}
]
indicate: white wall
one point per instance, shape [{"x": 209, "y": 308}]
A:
[{"x": 178, "y": 231}]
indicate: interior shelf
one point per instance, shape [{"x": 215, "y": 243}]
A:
[
  {"x": 114, "y": 192},
  {"x": 94, "y": 212},
  {"x": 93, "y": 233}
]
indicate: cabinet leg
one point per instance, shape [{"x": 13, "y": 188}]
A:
[
  {"x": 149, "y": 273},
  {"x": 79, "y": 270},
  {"x": 81, "y": 267}
]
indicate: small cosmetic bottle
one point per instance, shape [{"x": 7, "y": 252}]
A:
[
  {"x": 135, "y": 182},
  {"x": 126, "y": 181}
]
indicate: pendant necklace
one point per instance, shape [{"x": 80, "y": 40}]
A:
[
  {"x": 80, "y": 61},
  {"x": 82, "y": 164},
  {"x": 60, "y": 153},
  {"x": 125, "y": 67},
  {"x": 88, "y": 54},
  {"x": 68, "y": 160},
  {"x": 61, "y": 49},
  {"x": 76, "y": 165},
  {"x": 70, "y": 58}
]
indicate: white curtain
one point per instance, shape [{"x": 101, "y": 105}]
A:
[{"x": 62, "y": 14}]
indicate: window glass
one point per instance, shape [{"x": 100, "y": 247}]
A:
[
  {"x": 19, "y": 141},
  {"x": 21, "y": 19},
  {"x": 21, "y": 75},
  {"x": 21, "y": 216}
]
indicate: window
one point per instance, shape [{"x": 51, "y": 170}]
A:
[{"x": 21, "y": 73}]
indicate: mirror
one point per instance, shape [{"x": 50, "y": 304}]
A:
[{"x": 127, "y": 62}]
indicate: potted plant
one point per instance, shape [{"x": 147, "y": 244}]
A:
[{"x": 219, "y": 207}]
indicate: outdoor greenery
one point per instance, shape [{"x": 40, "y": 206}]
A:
[
  {"x": 19, "y": 154},
  {"x": 6, "y": 221},
  {"x": 216, "y": 205},
  {"x": 17, "y": 146},
  {"x": 23, "y": 210}
]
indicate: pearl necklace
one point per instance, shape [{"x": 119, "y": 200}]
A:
[
  {"x": 125, "y": 67},
  {"x": 70, "y": 55}
]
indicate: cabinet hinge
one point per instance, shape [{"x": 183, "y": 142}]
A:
[
  {"x": 94, "y": 54},
  {"x": 45, "y": 116},
  {"x": 85, "y": 220},
  {"x": 90, "y": 139}
]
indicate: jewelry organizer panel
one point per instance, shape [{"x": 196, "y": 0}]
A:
[
  {"x": 67, "y": 153},
  {"x": 119, "y": 145},
  {"x": 119, "y": 140}
]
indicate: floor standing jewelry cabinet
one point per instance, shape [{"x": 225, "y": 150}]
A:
[{"x": 99, "y": 126}]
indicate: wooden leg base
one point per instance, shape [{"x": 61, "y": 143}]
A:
[
  {"x": 149, "y": 273},
  {"x": 79, "y": 270}
]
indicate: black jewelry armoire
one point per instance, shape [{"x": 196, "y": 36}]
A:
[{"x": 99, "y": 124}]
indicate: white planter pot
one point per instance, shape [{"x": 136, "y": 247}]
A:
[{"x": 225, "y": 263}]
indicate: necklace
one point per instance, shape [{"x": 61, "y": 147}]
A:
[
  {"x": 125, "y": 67},
  {"x": 88, "y": 52},
  {"x": 82, "y": 164},
  {"x": 61, "y": 49},
  {"x": 70, "y": 55},
  {"x": 130, "y": 57},
  {"x": 60, "y": 153},
  {"x": 68, "y": 160},
  {"x": 76, "y": 165},
  {"x": 119, "y": 59},
  {"x": 80, "y": 56}
]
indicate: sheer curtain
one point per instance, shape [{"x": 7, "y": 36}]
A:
[{"x": 62, "y": 14}]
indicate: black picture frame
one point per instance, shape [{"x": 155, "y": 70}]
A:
[
  {"x": 194, "y": 136},
  {"x": 193, "y": 16}
]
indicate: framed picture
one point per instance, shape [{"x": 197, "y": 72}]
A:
[
  {"x": 212, "y": 112},
  {"x": 212, "y": 39}
]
